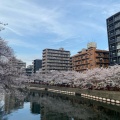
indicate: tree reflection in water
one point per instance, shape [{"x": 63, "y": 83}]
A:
[{"x": 53, "y": 106}]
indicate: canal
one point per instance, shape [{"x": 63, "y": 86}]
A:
[{"x": 44, "y": 105}]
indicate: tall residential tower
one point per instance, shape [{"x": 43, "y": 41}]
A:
[{"x": 113, "y": 30}]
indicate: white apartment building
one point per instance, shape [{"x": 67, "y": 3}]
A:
[{"x": 53, "y": 59}]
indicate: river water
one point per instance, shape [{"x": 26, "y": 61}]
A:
[{"x": 41, "y": 105}]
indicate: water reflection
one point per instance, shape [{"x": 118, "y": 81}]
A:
[
  {"x": 12, "y": 103},
  {"x": 35, "y": 108},
  {"x": 43, "y": 105},
  {"x": 75, "y": 107}
]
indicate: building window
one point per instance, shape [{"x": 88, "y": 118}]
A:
[
  {"x": 112, "y": 39},
  {"x": 100, "y": 65},
  {"x": 101, "y": 59},
  {"x": 110, "y": 20},
  {"x": 114, "y": 60}
]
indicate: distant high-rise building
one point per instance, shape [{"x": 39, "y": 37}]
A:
[
  {"x": 29, "y": 70},
  {"x": 90, "y": 58},
  {"x": 37, "y": 65},
  {"x": 55, "y": 60},
  {"x": 113, "y": 30}
]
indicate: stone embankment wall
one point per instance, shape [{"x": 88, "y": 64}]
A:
[{"x": 100, "y": 93}]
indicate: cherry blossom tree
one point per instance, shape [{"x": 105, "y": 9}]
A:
[
  {"x": 10, "y": 75},
  {"x": 92, "y": 77}
]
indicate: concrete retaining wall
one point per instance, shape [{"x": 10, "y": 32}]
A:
[{"x": 104, "y": 94}]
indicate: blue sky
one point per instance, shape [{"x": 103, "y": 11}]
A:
[{"x": 34, "y": 25}]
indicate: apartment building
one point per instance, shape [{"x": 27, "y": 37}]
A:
[
  {"x": 29, "y": 70},
  {"x": 70, "y": 64},
  {"x": 54, "y": 59},
  {"x": 113, "y": 30},
  {"x": 19, "y": 64},
  {"x": 37, "y": 64},
  {"x": 90, "y": 58}
]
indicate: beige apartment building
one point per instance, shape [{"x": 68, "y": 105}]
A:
[
  {"x": 54, "y": 59},
  {"x": 90, "y": 58}
]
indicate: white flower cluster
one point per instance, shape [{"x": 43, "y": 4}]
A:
[{"x": 97, "y": 77}]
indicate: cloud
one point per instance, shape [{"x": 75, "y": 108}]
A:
[
  {"x": 20, "y": 43},
  {"x": 41, "y": 19},
  {"x": 36, "y": 19},
  {"x": 94, "y": 26},
  {"x": 55, "y": 23},
  {"x": 14, "y": 31},
  {"x": 107, "y": 8}
]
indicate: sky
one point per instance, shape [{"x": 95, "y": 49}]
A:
[{"x": 34, "y": 25}]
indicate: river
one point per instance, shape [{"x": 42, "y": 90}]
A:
[{"x": 43, "y": 105}]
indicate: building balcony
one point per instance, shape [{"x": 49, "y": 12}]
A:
[
  {"x": 112, "y": 41},
  {"x": 114, "y": 55},
  {"x": 77, "y": 59},
  {"x": 102, "y": 62},
  {"x": 57, "y": 68},
  {"x": 44, "y": 61},
  {"x": 99, "y": 56},
  {"x": 43, "y": 55},
  {"x": 118, "y": 46},
  {"x": 118, "y": 39},
  {"x": 117, "y": 25},
  {"x": 58, "y": 52},
  {"x": 81, "y": 64},
  {"x": 80, "y": 59},
  {"x": 110, "y": 22},
  {"x": 112, "y": 35},
  {"x": 61, "y": 65},
  {"x": 76, "y": 64},
  {"x": 106, "y": 56},
  {"x": 117, "y": 18},
  {"x": 58, "y": 58},
  {"x": 118, "y": 53},
  {"x": 57, "y": 61},
  {"x": 102, "y": 56},
  {"x": 44, "y": 52},
  {"x": 112, "y": 48},
  {"x": 110, "y": 28},
  {"x": 84, "y": 58},
  {"x": 117, "y": 32},
  {"x": 81, "y": 69}
]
